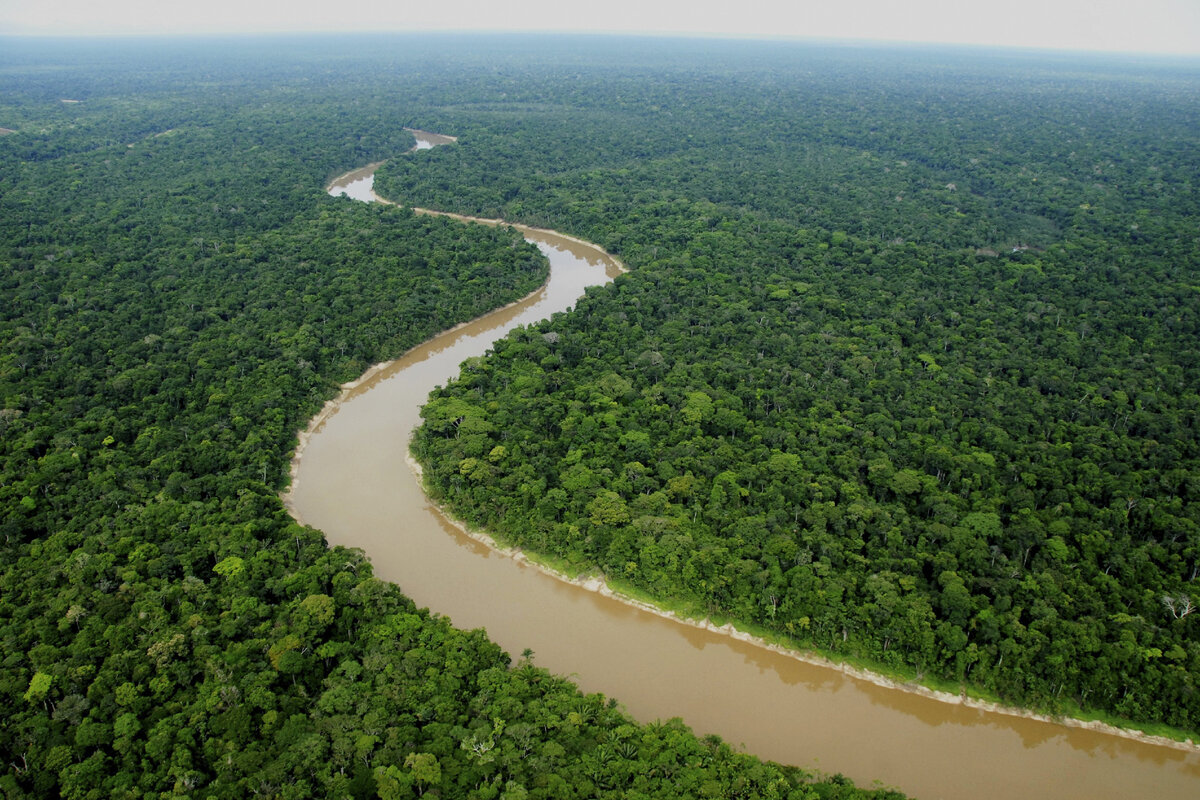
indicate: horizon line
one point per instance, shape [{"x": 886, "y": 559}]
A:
[{"x": 615, "y": 33}]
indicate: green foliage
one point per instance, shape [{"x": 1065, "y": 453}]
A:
[
  {"x": 180, "y": 296},
  {"x": 39, "y": 687},
  {"x": 907, "y": 364},
  {"x": 230, "y": 566}
]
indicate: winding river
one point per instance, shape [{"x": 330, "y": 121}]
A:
[{"x": 353, "y": 480}]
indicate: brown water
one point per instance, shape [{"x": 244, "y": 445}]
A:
[{"x": 354, "y": 483}]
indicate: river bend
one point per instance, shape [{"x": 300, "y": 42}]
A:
[{"x": 353, "y": 480}]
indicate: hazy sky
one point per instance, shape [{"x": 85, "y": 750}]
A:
[{"x": 1161, "y": 26}]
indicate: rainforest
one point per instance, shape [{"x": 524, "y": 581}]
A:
[{"x": 903, "y": 372}]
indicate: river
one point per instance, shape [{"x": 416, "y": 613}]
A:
[{"x": 353, "y": 480}]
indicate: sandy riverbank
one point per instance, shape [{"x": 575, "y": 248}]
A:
[
  {"x": 593, "y": 583},
  {"x": 331, "y": 407},
  {"x": 599, "y": 585}
]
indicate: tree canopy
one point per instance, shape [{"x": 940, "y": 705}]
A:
[
  {"x": 180, "y": 296},
  {"x": 905, "y": 369}
]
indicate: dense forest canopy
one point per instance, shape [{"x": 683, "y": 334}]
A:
[
  {"x": 179, "y": 297},
  {"x": 906, "y": 369}
]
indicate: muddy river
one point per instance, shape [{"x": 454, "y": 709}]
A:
[{"x": 353, "y": 480}]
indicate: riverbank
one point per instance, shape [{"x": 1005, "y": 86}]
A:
[
  {"x": 790, "y": 705},
  {"x": 332, "y": 406},
  {"x": 599, "y": 584},
  {"x": 349, "y": 388},
  {"x": 362, "y": 173},
  {"x": 429, "y": 138}
]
